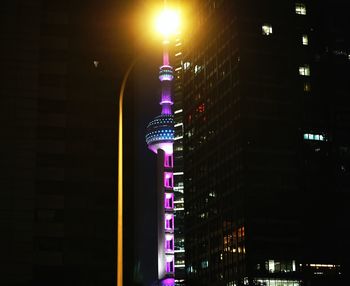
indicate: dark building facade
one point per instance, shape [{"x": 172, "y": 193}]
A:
[
  {"x": 61, "y": 73},
  {"x": 266, "y": 143},
  {"x": 178, "y": 162}
]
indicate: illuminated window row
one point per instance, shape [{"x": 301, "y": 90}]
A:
[
  {"x": 160, "y": 135},
  {"x": 161, "y": 121},
  {"x": 314, "y": 137},
  {"x": 280, "y": 266},
  {"x": 278, "y": 282}
]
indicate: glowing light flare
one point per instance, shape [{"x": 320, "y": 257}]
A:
[
  {"x": 168, "y": 22},
  {"x": 169, "y": 258},
  {"x": 167, "y": 147}
]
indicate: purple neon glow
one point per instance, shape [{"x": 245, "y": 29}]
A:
[
  {"x": 169, "y": 222},
  {"x": 170, "y": 264},
  {"x": 166, "y": 101},
  {"x": 160, "y": 136},
  {"x": 168, "y": 160},
  {"x": 168, "y": 180},
  {"x": 169, "y": 243},
  {"x": 168, "y": 282},
  {"x": 166, "y": 95},
  {"x": 165, "y": 54},
  {"x": 166, "y": 109},
  {"x": 169, "y": 201}
]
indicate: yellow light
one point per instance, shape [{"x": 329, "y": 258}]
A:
[{"x": 168, "y": 22}]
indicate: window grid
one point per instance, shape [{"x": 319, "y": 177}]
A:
[
  {"x": 300, "y": 8},
  {"x": 304, "y": 70}
]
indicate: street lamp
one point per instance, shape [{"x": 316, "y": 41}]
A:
[
  {"x": 120, "y": 179},
  {"x": 167, "y": 23}
]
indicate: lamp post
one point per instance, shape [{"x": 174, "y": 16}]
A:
[{"x": 120, "y": 179}]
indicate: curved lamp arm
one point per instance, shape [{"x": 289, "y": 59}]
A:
[{"x": 120, "y": 179}]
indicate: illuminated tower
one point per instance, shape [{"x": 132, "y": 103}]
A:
[{"x": 160, "y": 138}]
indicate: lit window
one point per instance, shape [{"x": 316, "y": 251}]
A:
[
  {"x": 169, "y": 222},
  {"x": 300, "y": 8},
  {"x": 307, "y": 87},
  {"x": 197, "y": 69},
  {"x": 186, "y": 65},
  {"x": 304, "y": 70},
  {"x": 266, "y": 29},
  {"x": 205, "y": 264},
  {"x": 168, "y": 160},
  {"x": 314, "y": 137},
  {"x": 169, "y": 264},
  {"x": 168, "y": 180},
  {"x": 169, "y": 243},
  {"x": 190, "y": 269},
  {"x": 305, "y": 40},
  {"x": 169, "y": 201}
]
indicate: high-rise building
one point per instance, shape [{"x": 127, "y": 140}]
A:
[
  {"x": 61, "y": 71},
  {"x": 179, "y": 210},
  {"x": 266, "y": 143}
]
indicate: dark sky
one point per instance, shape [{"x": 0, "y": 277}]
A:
[{"x": 147, "y": 96}]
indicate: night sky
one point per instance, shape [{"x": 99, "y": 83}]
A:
[{"x": 147, "y": 96}]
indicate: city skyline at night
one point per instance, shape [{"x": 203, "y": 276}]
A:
[{"x": 244, "y": 176}]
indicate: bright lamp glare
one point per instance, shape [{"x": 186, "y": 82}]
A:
[{"x": 168, "y": 22}]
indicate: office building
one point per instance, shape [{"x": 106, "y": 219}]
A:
[
  {"x": 178, "y": 163},
  {"x": 266, "y": 143},
  {"x": 61, "y": 73}
]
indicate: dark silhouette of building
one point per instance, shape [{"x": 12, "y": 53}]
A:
[
  {"x": 62, "y": 65},
  {"x": 266, "y": 143},
  {"x": 178, "y": 163}
]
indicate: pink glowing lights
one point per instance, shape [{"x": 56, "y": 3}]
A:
[
  {"x": 168, "y": 160},
  {"x": 169, "y": 201},
  {"x": 170, "y": 264},
  {"x": 168, "y": 179},
  {"x": 169, "y": 243},
  {"x": 169, "y": 222}
]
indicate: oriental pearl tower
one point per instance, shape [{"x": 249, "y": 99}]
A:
[{"x": 160, "y": 138}]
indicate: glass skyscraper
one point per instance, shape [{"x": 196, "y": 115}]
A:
[{"x": 266, "y": 143}]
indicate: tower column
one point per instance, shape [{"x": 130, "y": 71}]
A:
[{"x": 160, "y": 138}]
